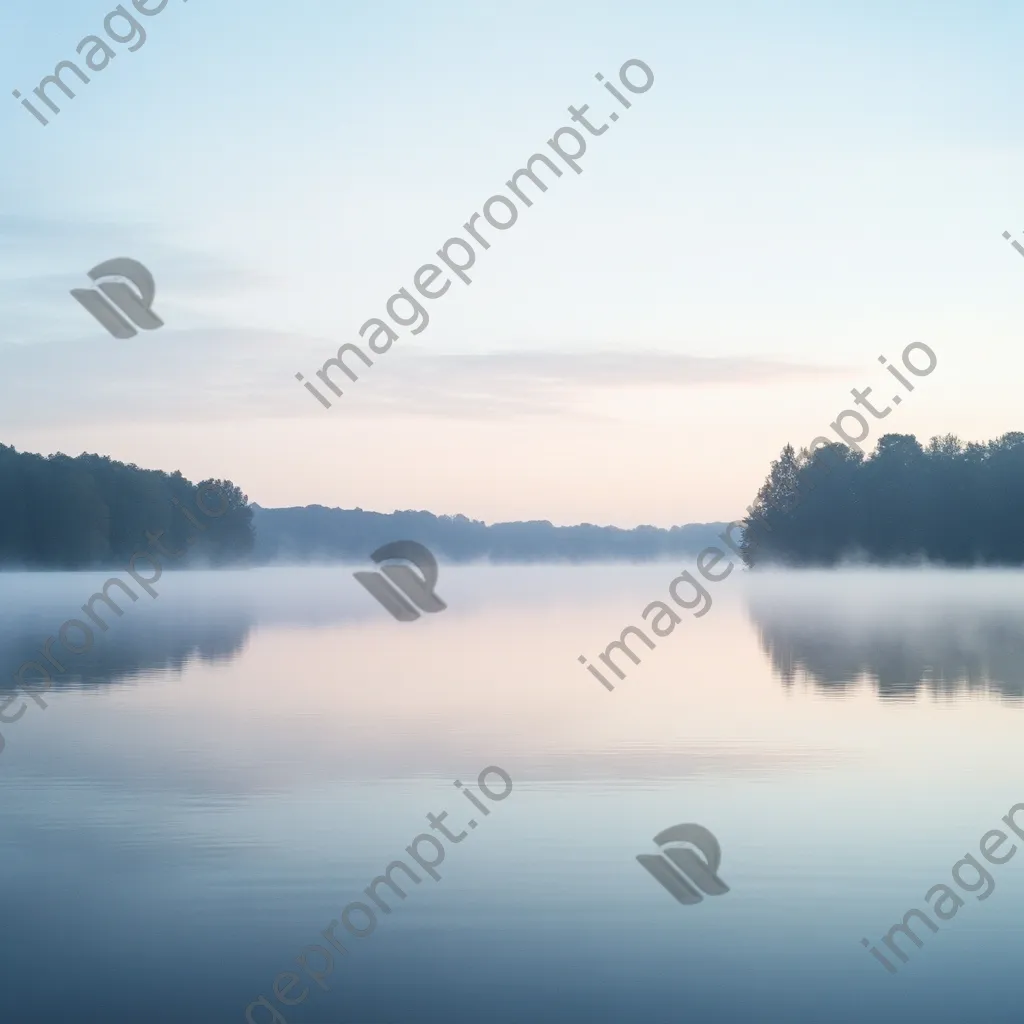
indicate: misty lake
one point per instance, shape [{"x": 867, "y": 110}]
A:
[{"x": 232, "y": 764}]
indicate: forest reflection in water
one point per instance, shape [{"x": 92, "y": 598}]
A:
[
  {"x": 196, "y": 616},
  {"x": 162, "y": 638},
  {"x": 905, "y": 632}
]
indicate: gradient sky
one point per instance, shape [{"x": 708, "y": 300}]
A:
[{"x": 803, "y": 189}]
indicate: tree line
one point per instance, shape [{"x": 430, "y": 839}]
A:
[
  {"x": 318, "y": 534},
  {"x": 950, "y": 502},
  {"x": 59, "y": 512}
]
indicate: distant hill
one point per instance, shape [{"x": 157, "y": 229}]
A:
[{"x": 316, "y": 533}]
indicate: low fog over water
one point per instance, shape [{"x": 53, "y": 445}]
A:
[
  {"x": 903, "y": 631},
  {"x": 235, "y": 759}
]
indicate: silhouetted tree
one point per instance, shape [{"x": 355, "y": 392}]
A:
[
  {"x": 69, "y": 513},
  {"x": 948, "y": 502}
]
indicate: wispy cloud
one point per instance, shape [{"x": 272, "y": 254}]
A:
[
  {"x": 525, "y": 383},
  {"x": 67, "y": 365},
  {"x": 170, "y": 375}
]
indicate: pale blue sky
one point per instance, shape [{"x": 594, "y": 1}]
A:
[{"x": 803, "y": 184}]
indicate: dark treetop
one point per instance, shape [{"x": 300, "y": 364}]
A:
[
  {"x": 950, "y": 503},
  {"x": 58, "y": 512}
]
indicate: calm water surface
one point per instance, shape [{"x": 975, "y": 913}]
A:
[{"x": 233, "y": 763}]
